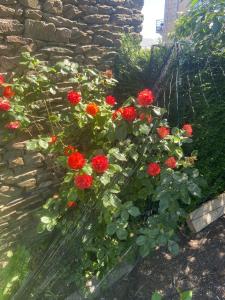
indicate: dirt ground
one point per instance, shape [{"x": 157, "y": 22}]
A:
[{"x": 200, "y": 267}]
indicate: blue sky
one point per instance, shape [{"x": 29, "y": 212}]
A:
[{"x": 153, "y": 10}]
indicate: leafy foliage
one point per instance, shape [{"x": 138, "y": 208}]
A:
[
  {"x": 136, "y": 68},
  {"x": 204, "y": 27},
  {"x": 14, "y": 272},
  {"x": 187, "y": 295},
  {"x": 198, "y": 92}
]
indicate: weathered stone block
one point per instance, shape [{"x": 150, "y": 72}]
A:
[
  {"x": 123, "y": 10},
  {"x": 53, "y": 6},
  {"x": 112, "y": 2},
  {"x": 8, "y": 2},
  {"x": 103, "y": 41},
  {"x": 80, "y": 36},
  {"x": 106, "y": 10},
  {"x": 18, "y": 145},
  {"x": 10, "y": 178},
  {"x": 16, "y": 162},
  {"x": 57, "y": 50},
  {"x": 121, "y": 19},
  {"x": 89, "y": 9},
  {"x": 28, "y": 184},
  {"x": 10, "y": 26},
  {"x": 33, "y": 159},
  {"x": 40, "y": 30},
  {"x": 33, "y": 14},
  {"x": 59, "y": 21},
  {"x": 63, "y": 35},
  {"x": 18, "y": 40},
  {"x": 96, "y": 19},
  {"x": 6, "y": 49},
  {"x": 137, "y": 20},
  {"x": 71, "y": 12},
  {"x": 9, "y": 63},
  {"x": 30, "y": 3},
  {"x": 6, "y": 12}
]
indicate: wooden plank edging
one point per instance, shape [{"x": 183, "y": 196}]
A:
[{"x": 206, "y": 214}]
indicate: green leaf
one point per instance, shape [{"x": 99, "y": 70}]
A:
[
  {"x": 158, "y": 111},
  {"x": 43, "y": 144},
  {"x": 134, "y": 211},
  {"x": 32, "y": 145},
  {"x": 72, "y": 195},
  {"x": 69, "y": 177},
  {"x": 186, "y": 295},
  {"x": 121, "y": 132},
  {"x": 141, "y": 240},
  {"x": 105, "y": 179},
  {"x": 145, "y": 250},
  {"x": 122, "y": 234},
  {"x": 193, "y": 2},
  {"x": 173, "y": 247},
  {"x": 45, "y": 220},
  {"x": 117, "y": 154},
  {"x": 156, "y": 296},
  {"x": 194, "y": 189},
  {"x": 124, "y": 215},
  {"x": 87, "y": 169},
  {"x": 115, "y": 168},
  {"x": 111, "y": 228},
  {"x": 144, "y": 129}
]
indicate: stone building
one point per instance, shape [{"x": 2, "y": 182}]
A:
[
  {"x": 173, "y": 8},
  {"x": 87, "y": 31}
]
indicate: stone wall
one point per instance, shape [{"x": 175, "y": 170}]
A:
[
  {"x": 26, "y": 181},
  {"x": 86, "y": 31}
]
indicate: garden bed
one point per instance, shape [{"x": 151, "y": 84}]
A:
[{"x": 200, "y": 267}]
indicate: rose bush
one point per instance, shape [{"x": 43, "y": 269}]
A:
[{"x": 124, "y": 166}]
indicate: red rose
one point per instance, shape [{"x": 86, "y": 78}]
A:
[
  {"x": 83, "y": 182},
  {"x": 171, "y": 162},
  {"x": 110, "y": 100},
  {"x": 69, "y": 150},
  {"x": 144, "y": 117},
  {"x": 92, "y": 109},
  {"x": 116, "y": 113},
  {"x": 163, "y": 132},
  {"x": 2, "y": 79},
  {"x": 71, "y": 204},
  {"x": 153, "y": 169},
  {"x": 129, "y": 113},
  {"x": 73, "y": 97},
  {"x": 100, "y": 163},
  {"x": 76, "y": 161},
  {"x": 188, "y": 129},
  {"x": 8, "y": 92},
  {"x": 53, "y": 139},
  {"x": 145, "y": 97},
  {"x": 13, "y": 125},
  {"x": 4, "y": 105}
]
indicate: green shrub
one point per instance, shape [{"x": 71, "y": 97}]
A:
[
  {"x": 14, "y": 272},
  {"x": 134, "y": 67}
]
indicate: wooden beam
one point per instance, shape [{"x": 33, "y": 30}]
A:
[{"x": 206, "y": 213}]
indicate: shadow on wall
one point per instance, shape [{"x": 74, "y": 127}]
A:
[{"x": 26, "y": 181}]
